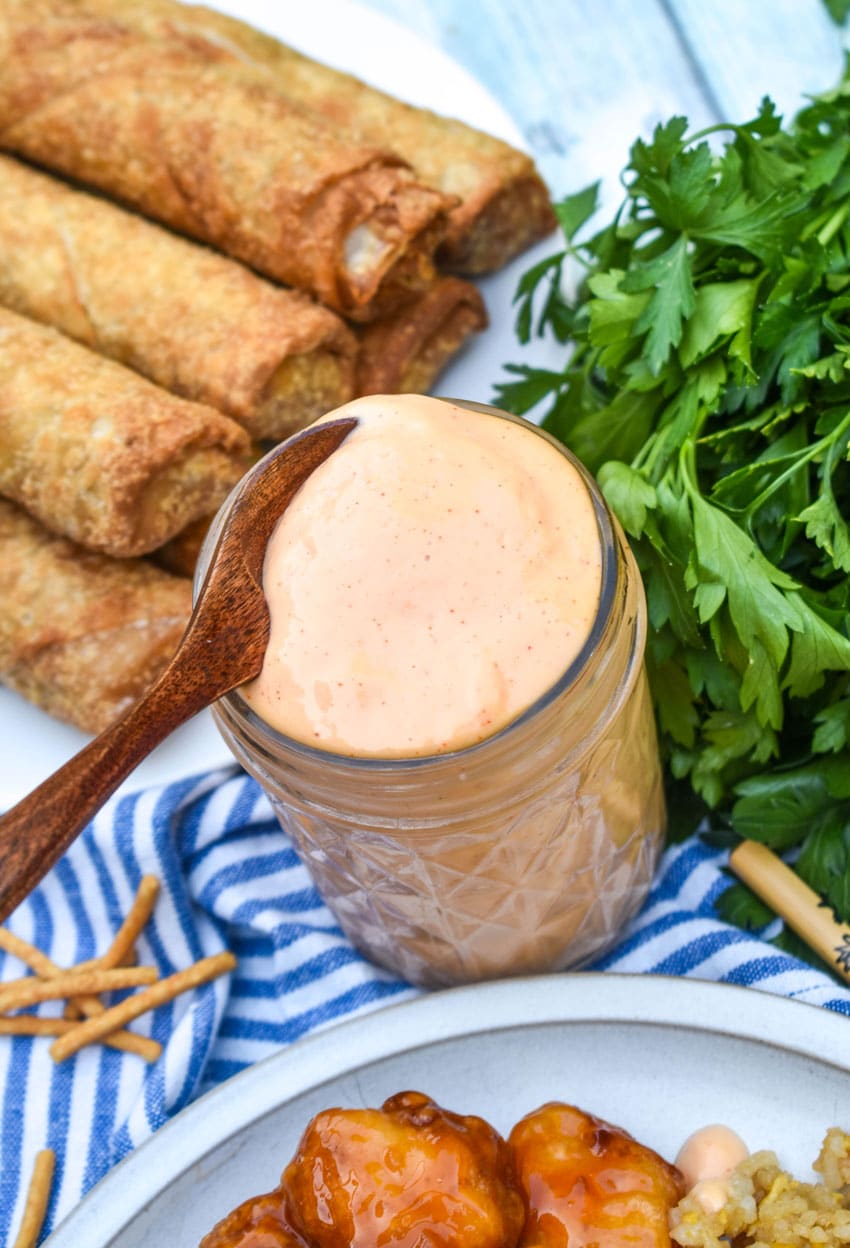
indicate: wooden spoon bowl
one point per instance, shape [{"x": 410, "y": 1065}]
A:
[{"x": 223, "y": 646}]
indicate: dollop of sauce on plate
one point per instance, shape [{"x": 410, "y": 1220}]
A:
[{"x": 706, "y": 1161}]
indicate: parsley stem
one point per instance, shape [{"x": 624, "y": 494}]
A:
[
  {"x": 801, "y": 459},
  {"x": 688, "y": 468},
  {"x": 719, "y": 128},
  {"x": 833, "y": 225}
]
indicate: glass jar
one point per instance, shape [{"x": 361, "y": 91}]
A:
[{"x": 524, "y": 853}]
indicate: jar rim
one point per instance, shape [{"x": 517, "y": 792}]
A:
[{"x": 609, "y": 575}]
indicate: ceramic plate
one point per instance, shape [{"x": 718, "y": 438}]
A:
[
  {"x": 655, "y": 1055},
  {"x": 344, "y": 34}
]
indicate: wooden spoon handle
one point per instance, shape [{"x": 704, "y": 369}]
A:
[{"x": 35, "y": 833}]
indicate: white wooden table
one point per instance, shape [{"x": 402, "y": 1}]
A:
[{"x": 583, "y": 78}]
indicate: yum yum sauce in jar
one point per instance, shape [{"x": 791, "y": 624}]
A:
[{"x": 452, "y": 721}]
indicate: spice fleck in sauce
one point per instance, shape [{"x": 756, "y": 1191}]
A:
[{"x": 429, "y": 582}]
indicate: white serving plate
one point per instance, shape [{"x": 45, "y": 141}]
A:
[
  {"x": 344, "y": 34},
  {"x": 658, "y": 1056}
]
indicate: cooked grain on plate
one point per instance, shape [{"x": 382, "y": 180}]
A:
[
  {"x": 406, "y": 352},
  {"x": 100, "y": 455},
  {"x": 82, "y": 635},
  {"x": 503, "y": 205},
  {"x": 189, "y": 319},
  {"x": 766, "y": 1205},
  {"x": 193, "y": 139}
]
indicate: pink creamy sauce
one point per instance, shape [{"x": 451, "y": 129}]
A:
[
  {"x": 707, "y": 1159},
  {"x": 429, "y": 582}
]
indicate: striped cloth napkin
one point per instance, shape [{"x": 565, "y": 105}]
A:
[{"x": 230, "y": 879}]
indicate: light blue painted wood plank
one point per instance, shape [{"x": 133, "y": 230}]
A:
[
  {"x": 581, "y": 78},
  {"x": 750, "y": 48}
]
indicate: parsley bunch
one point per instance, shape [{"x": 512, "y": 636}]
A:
[{"x": 707, "y": 386}]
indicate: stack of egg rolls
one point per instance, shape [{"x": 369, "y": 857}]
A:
[
  {"x": 144, "y": 357},
  {"x": 82, "y": 635},
  {"x": 192, "y": 139},
  {"x": 125, "y": 467},
  {"x": 187, "y": 318},
  {"x": 502, "y": 205}
]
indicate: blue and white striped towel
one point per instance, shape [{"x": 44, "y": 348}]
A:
[{"x": 232, "y": 880}]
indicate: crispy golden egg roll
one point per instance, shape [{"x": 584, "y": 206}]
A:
[
  {"x": 100, "y": 455},
  {"x": 191, "y": 138},
  {"x": 82, "y": 635},
  {"x": 503, "y": 204},
  {"x": 180, "y": 554},
  {"x": 194, "y": 321},
  {"x": 405, "y": 353}
]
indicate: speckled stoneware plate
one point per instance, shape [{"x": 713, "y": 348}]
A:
[
  {"x": 658, "y": 1056},
  {"x": 351, "y": 37}
]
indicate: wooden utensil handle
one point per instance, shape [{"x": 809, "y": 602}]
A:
[
  {"x": 36, "y": 832},
  {"x": 793, "y": 900}
]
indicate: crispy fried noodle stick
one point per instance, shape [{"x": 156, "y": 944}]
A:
[
  {"x": 95, "y": 1029},
  {"x": 100, "y": 455},
  {"x": 82, "y": 635},
  {"x": 215, "y": 151},
  {"x": 503, "y": 207},
  {"x": 190, "y": 320},
  {"x": 86, "y": 1003},
  {"x": 38, "y": 1198}
]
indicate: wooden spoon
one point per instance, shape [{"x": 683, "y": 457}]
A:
[{"x": 223, "y": 646}]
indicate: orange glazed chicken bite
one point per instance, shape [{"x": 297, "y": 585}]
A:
[
  {"x": 590, "y": 1184},
  {"x": 257, "y": 1223},
  {"x": 410, "y": 1175}
]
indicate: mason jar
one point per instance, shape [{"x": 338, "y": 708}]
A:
[{"x": 523, "y": 853}]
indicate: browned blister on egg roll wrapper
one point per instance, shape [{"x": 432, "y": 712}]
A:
[
  {"x": 82, "y": 635},
  {"x": 100, "y": 455},
  {"x": 405, "y": 353},
  {"x": 186, "y": 317},
  {"x": 191, "y": 138},
  {"x": 503, "y": 204}
]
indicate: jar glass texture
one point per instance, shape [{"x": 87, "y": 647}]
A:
[{"x": 522, "y": 854}]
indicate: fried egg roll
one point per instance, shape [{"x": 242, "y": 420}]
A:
[
  {"x": 180, "y": 554},
  {"x": 100, "y": 455},
  {"x": 503, "y": 204},
  {"x": 405, "y": 353},
  {"x": 189, "y": 137},
  {"x": 193, "y": 321},
  {"x": 82, "y": 635}
]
